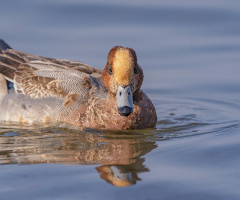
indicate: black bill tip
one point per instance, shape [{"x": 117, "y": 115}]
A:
[{"x": 125, "y": 110}]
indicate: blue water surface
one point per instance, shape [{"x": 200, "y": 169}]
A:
[{"x": 189, "y": 51}]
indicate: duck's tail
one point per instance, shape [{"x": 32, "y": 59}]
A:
[
  {"x": 5, "y": 84},
  {"x": 4, "y": 45}
]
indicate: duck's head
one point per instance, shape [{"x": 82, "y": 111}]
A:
[{"x": 122, "y": 77}]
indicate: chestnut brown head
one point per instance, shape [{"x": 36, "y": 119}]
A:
[{"x": 122, "y": 77}]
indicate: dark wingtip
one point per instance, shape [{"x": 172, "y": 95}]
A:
[{"x": 4, "y": 45}]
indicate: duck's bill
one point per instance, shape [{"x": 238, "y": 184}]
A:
[{"x": 124, "y": 100}]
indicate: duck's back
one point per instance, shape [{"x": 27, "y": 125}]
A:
[{"x": 44, "y": 89}]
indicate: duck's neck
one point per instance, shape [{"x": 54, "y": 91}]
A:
[{"x": 137, "y": 95}]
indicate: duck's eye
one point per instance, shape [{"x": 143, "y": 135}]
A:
[
  {"x": 109, "y": 70},
  {"x": 135, "y": 70}
]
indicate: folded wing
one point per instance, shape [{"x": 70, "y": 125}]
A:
[{"x": 40, "y": 77}]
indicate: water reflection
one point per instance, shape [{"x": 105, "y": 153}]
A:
[{"x": 120, "y": 156}]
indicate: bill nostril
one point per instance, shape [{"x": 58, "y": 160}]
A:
[{"x": 124, "y": 100}]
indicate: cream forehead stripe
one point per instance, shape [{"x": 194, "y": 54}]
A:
[{"x": 123, "y": 66}]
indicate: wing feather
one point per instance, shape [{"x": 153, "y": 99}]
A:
[{"x": 39, "y": 77}]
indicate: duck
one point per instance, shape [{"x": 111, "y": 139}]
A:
[{"x": 42, "y": 90}]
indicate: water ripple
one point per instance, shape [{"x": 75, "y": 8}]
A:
[{"x": 180, "y": 117}]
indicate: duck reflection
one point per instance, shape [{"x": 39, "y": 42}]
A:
[{"x": 120, "y": 156}]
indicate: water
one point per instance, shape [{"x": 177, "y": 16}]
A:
[{"x": 189, "y": 52}]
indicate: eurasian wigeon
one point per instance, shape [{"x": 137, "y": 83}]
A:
[{"x": 37, "y": 90}]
